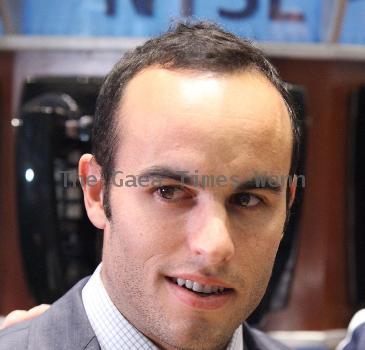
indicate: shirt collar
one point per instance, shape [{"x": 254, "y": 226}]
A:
[{"x": 112, "y": 330}]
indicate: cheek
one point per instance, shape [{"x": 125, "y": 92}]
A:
[
  {"x": 261, "y": 253},
  {"x": 258, "y": 248},
  {"x": 258, "y": 260},
  {"x": 143, "y": 228}
]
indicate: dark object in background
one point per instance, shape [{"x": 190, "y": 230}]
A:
[
  {"x": 59, "y": 244},
  {"x": 356, "y": 196}
]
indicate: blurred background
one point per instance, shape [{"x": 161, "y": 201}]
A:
[{"x": 53, "y": 57}]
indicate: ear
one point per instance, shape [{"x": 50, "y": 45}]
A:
[
  {"x": 293, "y": 189},
  {"x": 90, "y": 178}
]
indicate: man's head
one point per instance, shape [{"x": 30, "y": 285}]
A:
[
  {"x": 202, "y": 47},
  {"x": 202, "y": 101}
]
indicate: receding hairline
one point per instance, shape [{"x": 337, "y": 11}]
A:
[{"x": 251, "y": 69}]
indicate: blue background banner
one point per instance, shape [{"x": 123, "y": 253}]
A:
[
  {"x": 353, "y": 28},
  {"x": 274, "y": 20}
]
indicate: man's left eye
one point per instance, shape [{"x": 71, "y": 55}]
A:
[{"x": 246, "y": 200}]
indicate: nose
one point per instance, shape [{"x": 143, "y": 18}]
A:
[{"x": 210, "y": 237}]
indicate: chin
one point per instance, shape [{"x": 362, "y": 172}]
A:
[{"x": 198, "y": 334}]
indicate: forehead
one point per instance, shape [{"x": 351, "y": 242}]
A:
[{"x": 201, "y": 116}]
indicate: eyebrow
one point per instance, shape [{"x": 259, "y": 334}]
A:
[
  {"x": 263, "y": 182},
  {"x": 259, "y": 181},
  {"x": 163, "y": 172}
]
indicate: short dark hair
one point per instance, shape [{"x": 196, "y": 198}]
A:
[{"x": 199, "y": 46}]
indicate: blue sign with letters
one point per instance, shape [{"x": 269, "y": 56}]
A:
[{"x": 274, "y": 20}]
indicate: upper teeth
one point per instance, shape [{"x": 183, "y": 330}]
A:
[{"x": 197, "y": 287}]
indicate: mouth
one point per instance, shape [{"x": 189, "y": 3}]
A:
[
  {"x": 198, "y": 295},
  {"x": 202, "y": 290}
]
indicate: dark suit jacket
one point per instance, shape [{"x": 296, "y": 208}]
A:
[{"x": 65, "y": 326}]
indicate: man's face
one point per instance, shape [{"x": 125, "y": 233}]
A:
[{"x": 218, "y": 236}]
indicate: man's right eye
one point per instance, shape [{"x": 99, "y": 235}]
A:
[{"x": 172, "y": 193}]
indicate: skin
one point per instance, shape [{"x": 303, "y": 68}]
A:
[{"x": 219, "y": 124}]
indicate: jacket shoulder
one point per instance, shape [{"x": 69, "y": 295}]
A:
[
  {"x": 15, "y": 337},
  {"x": 64, "y": 326}
]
